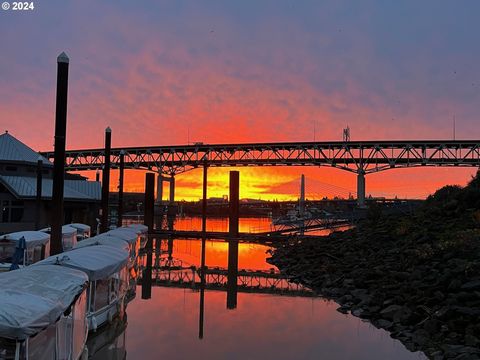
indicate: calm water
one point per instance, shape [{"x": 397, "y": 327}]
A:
[{"x": 262, "y": 326}]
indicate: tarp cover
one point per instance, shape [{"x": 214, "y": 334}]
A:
[
  {"x": 103, "y": 240},
  {"x": 67, "y": 230},
  {"x": 32, "y": 298},
  {"x": 32, "y": 238},
  {"x": 128, "y": 234},
  {"x": 98, "y": 262},
  {"x": 82, "y": 228},
  {"x": 143, "y": 229}
]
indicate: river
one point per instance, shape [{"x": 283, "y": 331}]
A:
[{"x": 262, "y": 326}]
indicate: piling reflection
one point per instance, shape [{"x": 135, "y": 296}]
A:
[
  {"x": 232, "y": 276},
  {"x": 109, "y": 342}
]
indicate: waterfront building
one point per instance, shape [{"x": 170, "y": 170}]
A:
[{"x": 18, "y": 190}]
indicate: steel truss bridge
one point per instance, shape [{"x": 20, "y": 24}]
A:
[
  {"x": 354, "y": 156},
  {"x": 359, "y": 157}
]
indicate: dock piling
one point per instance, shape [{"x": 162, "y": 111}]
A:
[
  {"x": 120, "y": 188},
  {"x": 106, "y": 180},
  {"x": 57, "y": 215},
  {"x": 38, "y": 198},
  {"x": 234, "y": 207}
]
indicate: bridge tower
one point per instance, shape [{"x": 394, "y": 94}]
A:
[
  {"x": 301, "y": 203},
  {"x": 361, "y": 188}
]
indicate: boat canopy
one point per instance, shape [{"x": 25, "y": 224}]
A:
[
  {"x": 98, "y": 262},
  {"x": 103, "y": 240},
  {"x": 81, "y": 228},
  {"x": 32, "y": 298},
  {"x": 32, "y": 238},
  {"x": 67, "y": 230},
  {"x": 143, "y": 229},
  {"x": 128, "y": 234}
]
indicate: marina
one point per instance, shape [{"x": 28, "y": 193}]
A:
[{"x": 239, "y": 180}]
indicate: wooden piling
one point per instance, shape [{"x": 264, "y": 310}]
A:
[
  {"x": 106, "y": 180},
  {"x": 57, "y": 215},
  {"x": 38, "y": 198},
  {"x": 120, "y": 188},
  {"x": 234, "y": 207}
]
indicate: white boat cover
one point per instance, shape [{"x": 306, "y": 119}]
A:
[
  {"x": 32, "y": 298},
  {"x": 128, "y": 234},
  {"x": 98, "y": 262},
  {"x": 103, "y": 240},
  {"x": 81, "y": 228},
  {"x": 32, "y": 238},
  {"x": 66, "y": 230},
  {"x": 142, "y": 229}
]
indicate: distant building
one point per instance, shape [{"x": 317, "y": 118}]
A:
[{"x": 18, "y": 190}]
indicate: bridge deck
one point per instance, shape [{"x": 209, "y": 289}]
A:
[{"x": 354, "y": 156}]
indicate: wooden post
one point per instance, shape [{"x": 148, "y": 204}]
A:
[
  {"x": 120, "y": 188},
  {"x": 38, "y": 199},
  {"x": 106, "y": 180},
  {"x": 202, "y": 261},
  {"x": 148, "y": 220},
  {"x": 232, "y": 273},
  {"x": 59, "y": 156}
]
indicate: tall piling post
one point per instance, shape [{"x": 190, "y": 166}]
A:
[
  {"x": 97, "y": 175},
  {"x": 57, "y": 215},
  {"x": 106, "y": 180},
  {"x": 38, "y": 198},
  {"x": 148, "y": 221},
  {"x": 234, "y": 207},
  {"x": 120, "y": 188},
  {"x": 202, "y": 260}
]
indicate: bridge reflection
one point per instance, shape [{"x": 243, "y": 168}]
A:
[{"x": 169, "y": 271}]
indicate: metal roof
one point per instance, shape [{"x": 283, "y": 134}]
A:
[
  {"x": 13, "y": 150},
  {"x": 26, "y": 187}
]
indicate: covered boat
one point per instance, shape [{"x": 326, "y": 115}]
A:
[
  {"x": 129, "y": 235},
  {"x": 142, "y": 230},
  {"x": 43, "y": 313},
  {"x": 69, "y": 236},
  {"x": 107, "y": 271},
  {"x": 23, "y": 248},
  {"x": 83, "y": 231},
  {"x": 110, "y": 240}
]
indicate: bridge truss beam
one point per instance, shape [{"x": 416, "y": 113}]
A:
[{"x": 358, "y": 157}]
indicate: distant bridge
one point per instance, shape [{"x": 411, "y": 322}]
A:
[
  {"x": 252, "y": 281},
  {"x": 359, "y": 157}
]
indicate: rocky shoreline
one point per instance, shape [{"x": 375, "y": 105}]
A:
[{"x": 417, "y": 276}]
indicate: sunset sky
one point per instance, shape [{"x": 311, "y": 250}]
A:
[{"x": 169, "y": 72}]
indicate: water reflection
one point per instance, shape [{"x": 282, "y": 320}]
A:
[
  {"x": 109, "y": 342},
  {"x": 186, "y": 318}
]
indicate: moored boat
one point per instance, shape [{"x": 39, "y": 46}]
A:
[
  {"x": 83, "y": 231},
  {"x": 107, "y": 271},
  {"x": 104, "y": 239},
  {"x": 142, "y": 230},
  {"x": 69, "y": 236},
  {"x": 23, "y": 248},
  {"x": 43, "y": 313}
]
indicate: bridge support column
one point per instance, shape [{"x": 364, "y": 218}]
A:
[
  {"x": 172, "y": 190},
  {"x": 159, "y": 188},
  {"x": 361, "y": 189}
]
